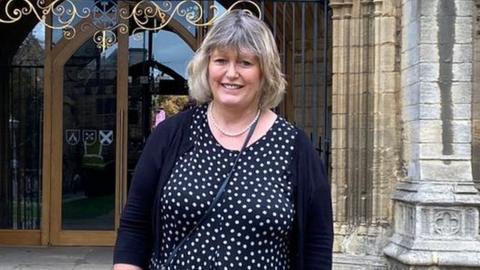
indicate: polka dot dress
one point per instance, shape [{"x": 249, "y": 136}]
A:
[{"x": 249, "y": 227}]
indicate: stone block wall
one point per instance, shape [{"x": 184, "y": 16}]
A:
[
  {"x": 406, "y": 133},
  {"x": 476, "y": 98},
  {"x": 366, "y": 133},
  {"x": 436, "y": 203}
]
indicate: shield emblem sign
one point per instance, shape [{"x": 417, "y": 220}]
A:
[
  {"x": 89, "y": 136},
  {"x": 72, "y": 136},
  {"x": 105, "y": 137}
]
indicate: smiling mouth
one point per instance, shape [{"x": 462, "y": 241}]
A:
[{"x": 231, "y": 85}]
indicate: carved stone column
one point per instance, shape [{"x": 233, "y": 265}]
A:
[
  {"x": 340, "y": 42},
  {"x": 365, "y": 133},
  {"x": 436, "y": 206}
]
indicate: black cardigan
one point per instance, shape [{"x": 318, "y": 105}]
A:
[{"x": 312, "y": 238}]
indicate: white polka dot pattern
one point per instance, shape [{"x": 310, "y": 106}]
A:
[{"x": 249, "y": 228}]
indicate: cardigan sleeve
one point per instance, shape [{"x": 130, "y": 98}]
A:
[
  {"x": 136, "y": 233},
  {"x": 318, "y": 208},
  {"x": 134, "y": 240}
]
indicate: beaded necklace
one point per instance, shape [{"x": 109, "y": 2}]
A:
[{"x": 227, "y": 133}]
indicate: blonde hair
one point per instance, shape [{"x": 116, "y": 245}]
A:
[{"x": 240, "y": 31}]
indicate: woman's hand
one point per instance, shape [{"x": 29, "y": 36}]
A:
[{"x": 123, "y": 266}]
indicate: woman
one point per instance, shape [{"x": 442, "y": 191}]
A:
[{"x": 229, "y": 184}]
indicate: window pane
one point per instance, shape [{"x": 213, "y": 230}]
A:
[{"x": 89, "y": 115}]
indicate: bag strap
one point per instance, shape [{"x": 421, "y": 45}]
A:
[{"x": 217, "y": 198}]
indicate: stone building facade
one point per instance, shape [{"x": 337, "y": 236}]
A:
[
  {"x": 405, "y": 120},
  {"x": 406, "y": 134}
]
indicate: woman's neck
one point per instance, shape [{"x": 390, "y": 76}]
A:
[{"x": 233, "y": 117}]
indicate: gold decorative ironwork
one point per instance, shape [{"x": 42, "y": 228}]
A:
[
  {"x": 144, "y": 10},
  {"x": 65, "y": 14},
  {"x": 104, "y": 14}
]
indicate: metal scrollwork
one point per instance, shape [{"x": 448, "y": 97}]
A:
[
  {"x": 104, "y": 15},
  {"x": 64, "y": 14}
]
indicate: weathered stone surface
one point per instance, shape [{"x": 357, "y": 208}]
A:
[
  {"x": 461, "y": 92},
  {"x": 429, "y": 111},
  {"x": 338, "y": 138},
  {"x": 429, "y": 93},
  {"x": 462, "y": 72},
  {"x": 410, "y": 58},
  {"x": 428, "y": 227},
  {"x": 463, "y": 30},
  {"x": 430, "y": 131},
  {"x": 358, "y": 262},
  {"x": 433, "y": 111},
  {"x": 432, "y": 207},
  {"x": 434, "y": 178},
  {"x": 438, "y": 170},
  {"x": 410, "y": 113},
  {"x": 411, "y": 35},
  {"x": 428, "y": 9},
  {"x": 462, "y": 53},
  {"x": 428, "y": 53},
  {"x": 389, "y": 82},
  {"x": 429, "y": 72},
  {"x": 410, "y": 12},
  {"x": 462, "y": 111},
  {"x": 387, "y": 55},
  {"x": 461, "y": 151},
  {"x": 428, "y": 30},
  {"x": 410, "y": 75}
]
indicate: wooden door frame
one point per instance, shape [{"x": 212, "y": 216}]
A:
[
  {"x": 56, "y": 57},
  {"x": 52, "y": 234},
  {"x": 60, "y": 55},
  {"x": 121, "y": 162}
]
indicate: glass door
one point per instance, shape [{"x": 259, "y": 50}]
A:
[
  {"x": 89, "y": 113},
  {"x": 104, "y": 106},
  {"x": 84, "y": 198}
]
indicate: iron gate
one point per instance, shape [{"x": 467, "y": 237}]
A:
[
  {"x": 302, "y": 31},
  {"x": 21, "y": 106}
]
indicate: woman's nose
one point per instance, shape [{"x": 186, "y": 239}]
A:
[{"x": 232, "y": 70}]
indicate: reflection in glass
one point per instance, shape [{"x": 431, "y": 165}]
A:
[
  {"x": 21, "y": 109},
  {"x": 167, "y": 49},
  {"x": 89, "y": 115},
  {"x": 83, "y": 8},
  {"x": 157, "y": 85}
]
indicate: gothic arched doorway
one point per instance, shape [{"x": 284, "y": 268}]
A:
[{"x": 103, "y": 106}]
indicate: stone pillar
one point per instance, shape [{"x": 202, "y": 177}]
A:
[
  {"x": 436, "y": 205},
  {"x": 365, "y": 129},
  {"x": 340, "y": 35},
  {"x": 476, "y": 98}
]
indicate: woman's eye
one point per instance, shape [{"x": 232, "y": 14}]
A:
[
  {"x": 219, "y": 61},
  {"x": 246, "y": 63}
]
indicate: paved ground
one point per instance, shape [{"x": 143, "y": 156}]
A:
[{"x": 55, "y": 258}]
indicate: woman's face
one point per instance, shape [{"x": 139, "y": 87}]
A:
[{"x": 234, "y": 78}]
